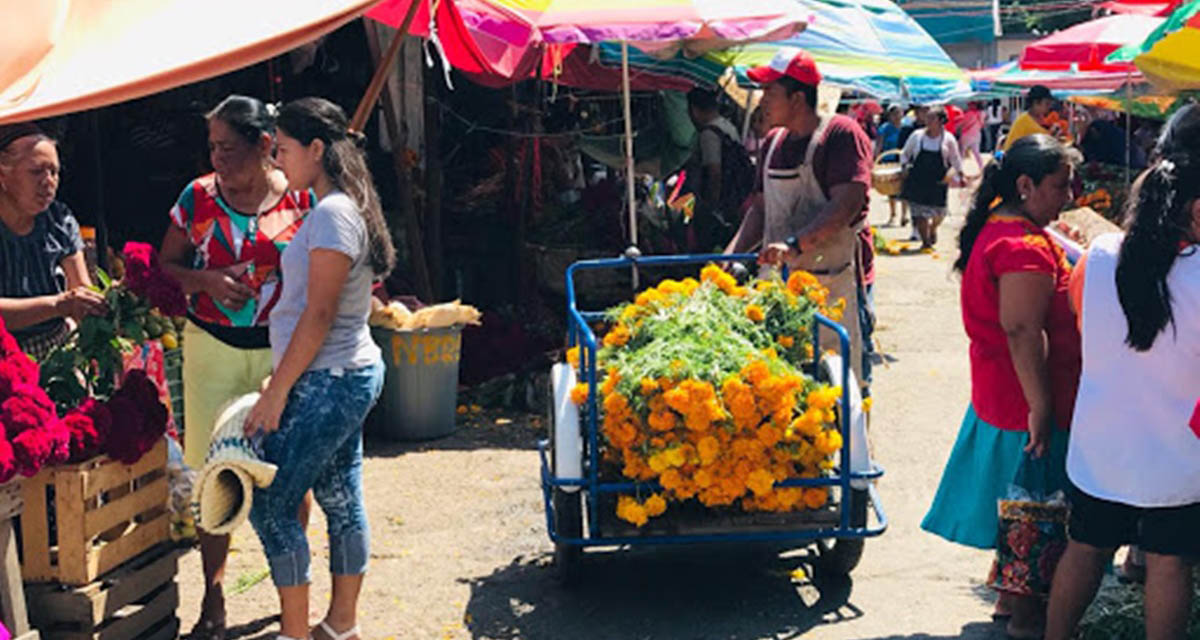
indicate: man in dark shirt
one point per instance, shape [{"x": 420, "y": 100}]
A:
[{"x": 813, "y": 182}]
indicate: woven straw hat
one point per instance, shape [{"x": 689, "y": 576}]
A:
[{"x": 223, "y": 493}]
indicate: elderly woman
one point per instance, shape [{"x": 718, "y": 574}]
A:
[
  {"x": 227, "y": 232},
  {"x": 1025, "y": 358},
  {"x": 44, "y": 282}
]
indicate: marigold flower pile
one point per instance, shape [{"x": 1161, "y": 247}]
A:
[{"x": 702, "y": 390}]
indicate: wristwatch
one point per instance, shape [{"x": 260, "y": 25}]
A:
[{"x": 794, "y": 243}]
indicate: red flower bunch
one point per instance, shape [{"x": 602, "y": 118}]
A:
[
  {"x": 144, "y": 277},
  {"x": 31, "y": 434},
  {"x": 138, "y": 418},
  {"x": 89, "y": 425}
]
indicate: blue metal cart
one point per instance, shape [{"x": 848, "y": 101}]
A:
[{"x": 575, "y": 494}]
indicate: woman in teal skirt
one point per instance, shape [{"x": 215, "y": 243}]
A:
[{"x": 1024, "y": 352}]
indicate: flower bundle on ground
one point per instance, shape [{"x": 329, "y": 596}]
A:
[{"x": 702, "y": 391}]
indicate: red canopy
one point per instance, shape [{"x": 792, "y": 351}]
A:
[
  {"x": 493, "y": 62},
  {"x": 1085, "y": 46},
  {"x": 1142, "y": 7}
]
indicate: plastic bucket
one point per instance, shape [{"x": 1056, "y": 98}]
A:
[{"x": 420, "y": 389}]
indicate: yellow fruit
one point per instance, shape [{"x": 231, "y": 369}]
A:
[{"x": 169, "y": 341}]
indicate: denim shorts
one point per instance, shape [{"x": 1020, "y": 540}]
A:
[{"x": 318, "y": 446}]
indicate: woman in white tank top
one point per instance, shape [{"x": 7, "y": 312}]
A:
[{"x": 1134, "y": 453}]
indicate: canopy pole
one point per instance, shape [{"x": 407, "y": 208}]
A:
[
  {"x": 630, "y": 191},
  {"x": 363, "y": 112},
  {"x": 1128, "y": 131}
]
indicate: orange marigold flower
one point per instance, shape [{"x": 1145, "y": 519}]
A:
[
  {"x": 703, "y": 478},
  {"x": 760, "y": 482},
  {"x": 610, "y": 381},
  {"x": 573, "y": 356},
  {"x": 617, "y": 337},
  {"x": 630, "y": 511},
  {"x": 615, "y": 403},
  {"x": 662, "y": 421},
  {"x": 708, "y": 448},
  {"x": 768, "y": 435},
  {"x": 787, "y": 342},
  {"x": 655, "y": 505},
  {"x": 828, "y": 441},
  {"x": 677, "y": 399},
  {"x": 801, "y": 280},
  {"x": 579, "y": 394},
  {"x": 815, "y": 498},
  {"x": 670, "y": 479},
  {"x": 675, "y": 457},
  {"x": 756, "y": 372},
  {"x": 649, "y": 386}
]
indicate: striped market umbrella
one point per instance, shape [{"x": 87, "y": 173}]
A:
[
  {"x": 1170, "y": 56},
  {"x": 870, "y": 46}
]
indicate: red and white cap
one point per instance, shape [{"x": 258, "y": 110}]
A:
[{"x": 791, "y": 62}]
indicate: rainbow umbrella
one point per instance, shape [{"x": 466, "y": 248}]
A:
[
  {"x": 872, "y": 46},
  {"x": 1170, "y": 56}
]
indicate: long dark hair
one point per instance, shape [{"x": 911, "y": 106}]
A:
[
  {"x": 1158, "y": 221},
  {"x": 1181, "y": 133},
  {"x": 1036, "y": 156},
  {"x": 309, "y": 119},
  {"x": 249, "y": 117}
]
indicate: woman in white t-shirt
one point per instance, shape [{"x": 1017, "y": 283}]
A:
[{"x": 1134, "y": 453}]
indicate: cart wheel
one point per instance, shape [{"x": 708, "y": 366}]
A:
[
  {"x": 840, "y": 557},
  {"x": 568, "y": 514},
  {"x": 568, "y": 522}
]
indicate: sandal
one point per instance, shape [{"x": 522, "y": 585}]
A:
[
  {"x": 208, "y": 629},
  {"x": 324, "y": 628}
]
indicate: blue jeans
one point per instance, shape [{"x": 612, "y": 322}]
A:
[{"x": 318, "y": 446}]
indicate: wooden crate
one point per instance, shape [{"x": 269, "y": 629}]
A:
[
  {"x": 83, "y": 520},
  {"x": 12, "y": 593},
  {"x": 136, "y": 602}
]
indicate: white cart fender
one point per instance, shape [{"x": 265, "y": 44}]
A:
[
  {"x": 568, "y": 439},
  {"x": 860, "y": 454}
]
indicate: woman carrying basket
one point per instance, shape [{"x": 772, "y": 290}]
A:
[
  {"x": 328, "y": 370},
  {"x": 887, "y": 152},
  {"x": 1024, "y": 352}
]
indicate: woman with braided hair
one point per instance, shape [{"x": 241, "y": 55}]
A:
[
  {"x": 1134, "y": 455},
  {"x": 1024, "y": 351}
]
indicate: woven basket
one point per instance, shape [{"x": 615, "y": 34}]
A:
[
  {"x": 221, "y": 500},
  {"x": 887, "y": 177}
]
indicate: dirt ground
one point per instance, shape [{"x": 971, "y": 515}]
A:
[{"x": 459, "y": 534}]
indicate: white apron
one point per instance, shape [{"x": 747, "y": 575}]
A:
[{"x": 792, "y": 198}]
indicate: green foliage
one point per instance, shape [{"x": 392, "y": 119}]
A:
[{"x": 91, "y": 360}]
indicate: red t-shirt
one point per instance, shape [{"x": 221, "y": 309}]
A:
[
  {"x": 843, "y": 155},
  {"x": 1012, "y": 244}
]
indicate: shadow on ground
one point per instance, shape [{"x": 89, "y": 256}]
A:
[
  {"x": 971, "y": 631},
  {"x": 678, "y": 593},
  {"x": 472, "y": 431}
]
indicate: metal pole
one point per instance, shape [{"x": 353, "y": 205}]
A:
[
  {"x": 1128, "y": 131},
  {"x": 630, "y": 192}
]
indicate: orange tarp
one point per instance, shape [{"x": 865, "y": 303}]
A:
[{"x": 60, "y": 56}]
